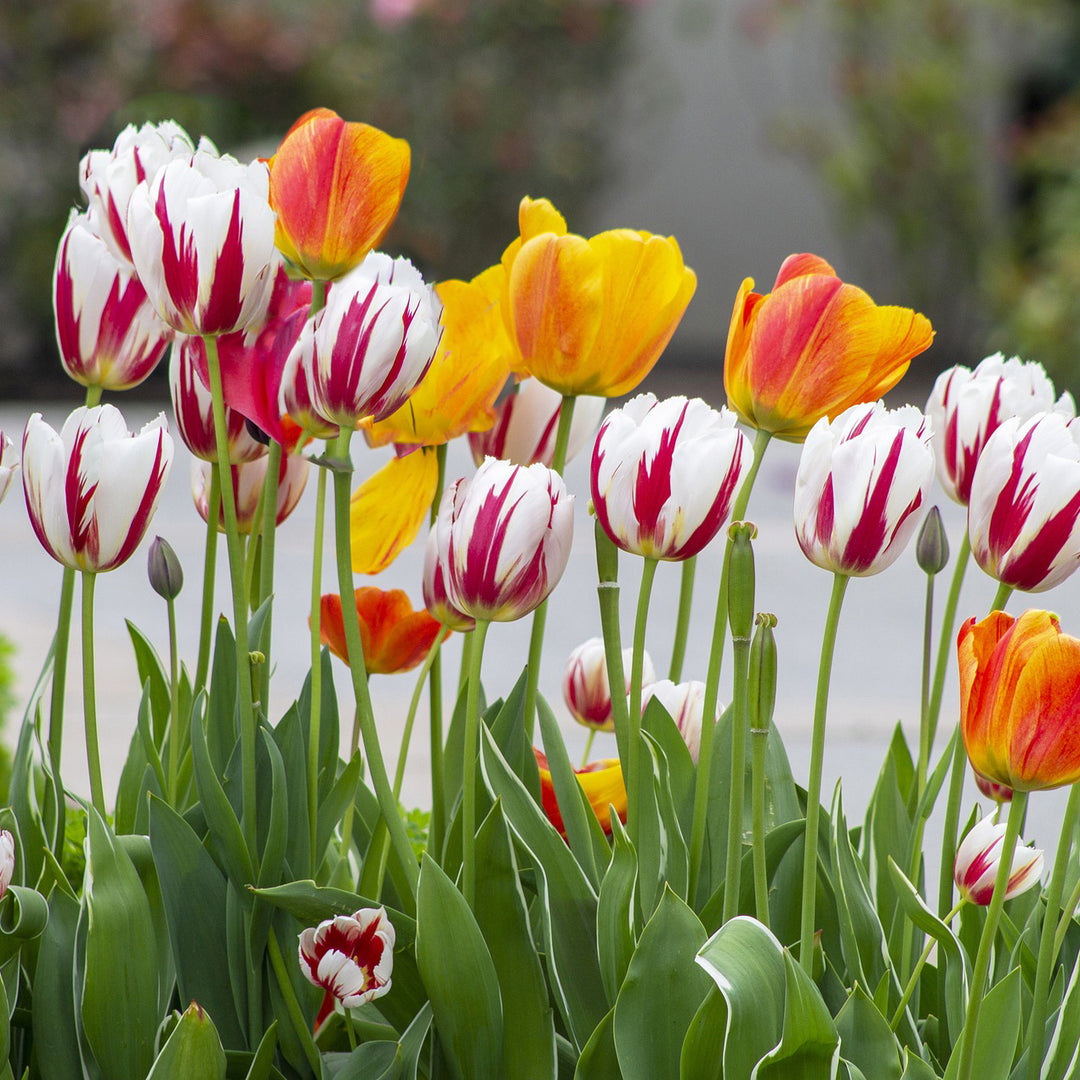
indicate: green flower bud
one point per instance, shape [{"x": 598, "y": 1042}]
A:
[
  {"x": 762, "y": 689},
  {"x": 741, "y": 580},
  {"x": 163, "y": 569},
  {"x": 932, "y": 547}
]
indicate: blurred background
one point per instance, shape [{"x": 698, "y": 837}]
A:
[{"x": 930, "y": 149}]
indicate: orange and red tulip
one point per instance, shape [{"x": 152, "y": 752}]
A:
[
  {"x": 1019, "y": 699},
  {"x": 602, "y": 782}
]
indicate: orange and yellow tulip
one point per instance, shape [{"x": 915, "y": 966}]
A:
[
  {"x": 813, "y": 347},
  {"x": 394, "y": 636},
  {"x": 591, "y": 316},
  {"x": 602, "y": 782},
  {"x": 336, "y": 188},
  {"x": 1019, "y": 700}
]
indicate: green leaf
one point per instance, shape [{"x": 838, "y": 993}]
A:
[
  {"x": 412, "y": 1042},
  {"x": 379, "y": 1060},
  {"x": 332, "y": 808},
  {"x": 459, "y": 976},
  {"x": 263, "y": 1060},
  {"x": 997, "y": 1033},
  {"x": 289, "y": 738},
  {"x": 23, "y": 914},
  {"x": 151, "y": 671},
  {"x": 192, "y": 1050},
  {"x": 222, "y": 732},
  {"x": 56, "y": 1038},
  {"x": 663, "y": 859},
  {"x": 866, "y": 1039},
  {"x": 657, "y": 723},
  {"x": 598, "y": 1060},
  {"x": 703, "y": 1047},
  {"x": 616, "y": 919},
  {"x": 914, "y": 1067},
  {"x": 1060, "y": 1054}
]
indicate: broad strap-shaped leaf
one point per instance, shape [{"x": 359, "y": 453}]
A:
[
  {"x": 866, "y": 1039},
  {"x": 56, "y": 1039},
  {"x": 616, "y": 918},
  {"x": 915, "y": 1068},
  {"x": 192, "y": 1050},
  {"x": 997, "y": 1033},
  {"x": 1063, "y": 1052},
  {"x": 598, "y": 1060},
  {"x": 703, "y": 1047},
  {"x": 663, "y": 858}
]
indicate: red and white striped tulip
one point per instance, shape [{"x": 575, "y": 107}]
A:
[
  {"x": 665, "y": 474},
  {"x": 978, "y": 858},
  {"x": 366, "y": 350},
  {"x": 108, "y": 332},
  {"x": 8, "y": 469},
  {"x": 527, "y": 421},
  {"x": 247, "y": 481},
  {"x": 92, "y": 490},
  {"x": 507, "y": 534},
  {"x": 966, "y": 407},
  {"x": 202, "y": 241},
  {"x": 436, "y": 598},
  {"x": 862, "y": 479},
  {"x": 685, "y": 704},
  {"x": 586, "y": 689},
  {"x": 1024, "y": 512},
  {"x": 7, "y": 860}
]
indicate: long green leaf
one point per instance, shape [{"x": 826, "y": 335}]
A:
[
  {"x": 56, "y": 1039},
  {"x": 192, "y": 1050},
  {"x": 598, "y": 1060},
  {"x": 616, "y": 919},
  {"x": 866, "y": 1039},
  {"x": 997, "y": 1033}
]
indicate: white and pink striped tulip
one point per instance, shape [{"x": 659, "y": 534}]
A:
[
  {"x": 978, "y": 858},
  {"x": 966, "y": 407},
  {"x": 92, "y": 490},
  {"x": 7, "y": 860},
  {"x": 862, "y": 480},
  {"x": 586, "y": 689},
  {"x": 507, "y": 534},
  {"x": 247, "y": 481},
  {"x": 665, "y": 474},
  {"x": 436, "y": 598},
  {"x": 108, "y": 332},
  {"x": 1024, "y": 512},
  {"x": 202, "y": 241},
  {"x": 685, "y": 704}
]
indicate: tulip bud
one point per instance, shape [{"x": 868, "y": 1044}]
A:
[
  {"x": 762, "y": 690},
  {"x": 586, "y": 689},
  {"x": 163, "y": 569},
  {"x": 1000, "y": 793},
  {"x": 741, "y": 588},
  {"x": 977, "y": 861},
  {"x": 932, "y": 546}
]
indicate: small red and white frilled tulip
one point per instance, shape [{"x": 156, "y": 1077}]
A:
[
  {"x": 8, "y": 468},
  {"x": 92, "y": 490},
  {"x": 202, "y": 241},
  {"x": 665, "y": 474},
  {"x": 7, "y": 860},
  {"x": 108, "y": 332},
  {"x": 586, "y": 689},
  {"x": 862, "y": 480},
  {"x": 1024, "y": 511},
  {"x": 108, "y": 177},
  {"x": 436, "y": 598},
  {"x": 978, "y": 858},
  {"x": 247, "y": 480},
  {"x": 685, "y": 704},
  {"x": 527, "y": 421},
  {"x": 351, "y": 957},
  {"x": 966, "y": 407},
  {"x": 366, "y": 350},
  {"x": 507, "y": 534}
]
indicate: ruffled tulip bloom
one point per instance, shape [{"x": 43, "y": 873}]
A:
[
  {"x": 7, "y": 860},
  {"x": 202, "y": 241},
  {"x": 813, "y": 347},
  {"x": 861, "y": 481},
  {"x": 592, "y": 316},
  {"x": 351, "y": 957},
  {"x": 586, "y": 689},
  {"x": 665, "y": 474},
  {"x": 106, "y": 328},
  {"x": 978, "y": 858},
  {"x": 92, "y": 490},
  {"x": 602, "y": 782},
  {"x": 8, "y": 469},
  {"x": 507, "y": 534},
  {"x": 1024, "y": 511},
  {"x": 527, "y": 421},
  {"x": 247, "y": 481},
  {"x": 108, "y": 177},
  {"x": 394, "y": 636},
  {"x": 436, "y": 598},
  {"x": 366, "y": 350},
  {"x": 966, "y": 407},
  {"x": 685, "y": 704},
  {"x": 336, "y": 188},
  {"x": 1019, "y": 696}
]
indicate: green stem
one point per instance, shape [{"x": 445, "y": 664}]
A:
[
  {"x": 174, "y": 709},
  {"x": 56, "y": 706},
  {"x": 1067, "y": 912},
  {"x": 759, "y": 738},
  {"x": 468, "y": 790},
  {"x": 436, "y": 828},
  {"x": 206, "y": 621},
  {"x": 986, "y": 943},
  {"x": 813, "y": 790},
  {"x": 945, "y": 642},
  {"x": 919, "y": 965},
  {"x": 292, "y": 1006},
  {"x": 1043, "y": 968},
  {"x": 414, "y": 704},
  {"x": 588, "y": 746},
  {"x": 466, "y": 662},
  {"x": 740, "y": 720},
  {"x": 633, "y": 733},
  {"x": 607, "y": 591},
  {"x": 924, "y": 697},
  {"x": 1001, "y": 597},
  {"x": 266, "y": 563},
  {"x": 315, "y": 719},
  {"x": 318, "y": 297},
  {"x": 93, "y": 757},
  {"x": 682, "y": 620}
]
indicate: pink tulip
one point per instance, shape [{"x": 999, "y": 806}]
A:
[
  {"x": 436, "y": 598},
  {"x": 586, "y": 690},
  {"x": 978, "y": 858},
  {"x": 247, "y": 481}
]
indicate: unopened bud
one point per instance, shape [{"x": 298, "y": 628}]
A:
[
  {"x": 932, "y": 547},
  {"x": 741, "y": 580},
  {"x": 762, "y": 688},
  {"x": 163, "y": 569},
  {"x": 991, "y": 789}
]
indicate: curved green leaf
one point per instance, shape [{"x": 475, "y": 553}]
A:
[
  {"x": 56, "y": 1039},
  {"x": 866, "y": 1040},
  {"x": 997, "y": 1033},
  {"x": 616, "y": 915},
  {"x": 192, "y": 1050},
  {"x": 598, "y": 1060}
]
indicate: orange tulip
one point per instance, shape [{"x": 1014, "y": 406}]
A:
[
  {"x": 602, "y": 782},
  {"x": 1019, "y": 700},
  {"x": 591, "y": 316},
  {"x": 394, "y": 637},
  {"x": 336, "y": 188},
  {"x": 813, "y": 347}
]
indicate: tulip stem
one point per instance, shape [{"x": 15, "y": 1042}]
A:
[
  {"x": 292, "y": 1005},
  {"x": 712, "y": 681},
  {"x": 759, "y": 742},
  {"x": 174, "y": 708},
  {"x": 919, "y": 965},
  {"x": 266, "y": 560},
  {"x": 206, "y": 629},
  {"x": 607, "y": 591},
  {"x": 1001, "y": 597},
  {"x": 633, "y": 778},
  {"x": 414, "y": 704},
  {"x": 468, "y": 790},
  {"x": 315, "y": 622},
  {"x": 436, "y": 826},
  {"x": 986, "y": 942},
  {"x": 740, "y": 721},
  {"x": 1041, "y": 986},
  {"x": 945, "y": 641},
  {"x": 813, "y": 789},
  {"x": 93, "y": 756},
  {"x": 56, "y": 706},
  {"x": 682, "y": 621},
  {"x": 1067, "y": 913},
  {"x": 588, "y": 747}
]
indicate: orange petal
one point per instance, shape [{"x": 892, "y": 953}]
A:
[
  {"x": 397, "y": 638},
  {"x": 331, "y": 626}
]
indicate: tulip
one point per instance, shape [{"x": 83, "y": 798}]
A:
[
  {"x": 336, "y": 188},
  {"x": 977, "y": 861},
  {"x": 592, "y": 316},
  {"x": 1019, "y": 693},
  {"x": 106, "y": 328},
  {"x": 665, "y": 474},
  {"x": 966, "y": 407},
  {"x": 202, "y": 241},
  {"x": 436, "y": 598},
  {"x": 7, "y": 860},
  {"x": 92, "y": 490},
  {"x": 247, "y": 482},
  {"x": 602, "y": 782},
  {"x": 507, "y": 533},
  {"x": 1024, "y": 512},
  {"x": 366, "y": 350},
  {"x": 998, "y": 792},
  {"x": 351, "y": 957},
  {"x": 861, "y": 480},
  {"x": 8, "y": 471},
  {"x": 526, "y": 423},
  {"x": 685, "y": 704},
  {"x": 163, "y": 569},
  {"x": 813, "y": 347},
  {"x": 586, "y": 690}
]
